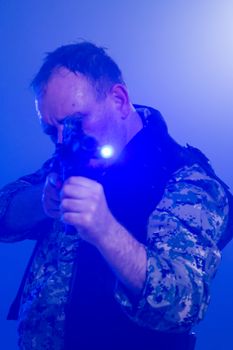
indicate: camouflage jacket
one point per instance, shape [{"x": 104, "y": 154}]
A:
[{"x": 182, "y": 259}]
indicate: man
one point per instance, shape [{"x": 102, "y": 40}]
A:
[{"x": 127, "y": 246}]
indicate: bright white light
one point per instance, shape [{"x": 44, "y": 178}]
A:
[{"x": 107, "y": 151}]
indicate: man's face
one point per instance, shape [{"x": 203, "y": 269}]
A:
[{"x": 71, "y": 95}]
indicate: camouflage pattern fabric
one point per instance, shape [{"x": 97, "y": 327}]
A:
[
  {"x": 183, "y": 231},
  {"x": 182, "y": 252}
]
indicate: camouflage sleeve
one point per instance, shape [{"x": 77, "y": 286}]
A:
[
  {"x": 7, "y": 194},
  {"x": 182, "y": 255}
]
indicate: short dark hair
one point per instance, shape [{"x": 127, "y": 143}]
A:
[{"x": 85, "y": 58}]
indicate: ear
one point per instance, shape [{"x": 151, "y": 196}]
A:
[{"x": 120, "y": 98}]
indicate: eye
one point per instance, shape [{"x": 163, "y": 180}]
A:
[
  {"x": 50, "y": 130},
  {"x": 74, "y": 118}
]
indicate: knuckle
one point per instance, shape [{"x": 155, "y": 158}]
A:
[
  {"x": 63, "y": 205},
  {"x": 93, "y": 208},
  {"x": 71, "y": 180},
  {"x": 98, "y": 192},
  {"x": 87, "y": 220},
  {"x": 66, "y": 217},
  {"x": 99, "y": 187},
  {"x": 65, "y": 190}
]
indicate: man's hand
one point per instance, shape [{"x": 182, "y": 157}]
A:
[
  {"x": 83, "y": 205},
  {"x": 51, "y": 196}
]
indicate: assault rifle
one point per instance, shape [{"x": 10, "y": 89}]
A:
[{"x": 73, "y": 155}]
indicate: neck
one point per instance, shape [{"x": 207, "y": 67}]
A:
[{"x": 134, "y": 124}]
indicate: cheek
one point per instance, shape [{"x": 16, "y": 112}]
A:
[
  {"x": 103, "y": 124},
  {"x": 96, "y": 124},
  {"x": 112, "y": 135}
]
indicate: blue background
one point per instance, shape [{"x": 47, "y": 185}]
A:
[{"x": 175, "y": 55}]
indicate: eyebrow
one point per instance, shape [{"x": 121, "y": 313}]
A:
[
  {"x": 77, "y": 115},
  {"x": 52, "y": 130}
]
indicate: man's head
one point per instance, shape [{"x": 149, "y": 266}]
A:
[
  {"x": 84, "y": 58},
  {"x": 82, "y": 81}
]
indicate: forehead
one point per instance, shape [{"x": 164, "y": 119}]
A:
[{"x": 65, "y": 93}]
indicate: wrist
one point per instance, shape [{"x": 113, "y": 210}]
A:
[{"x": 111, "y": 235}]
